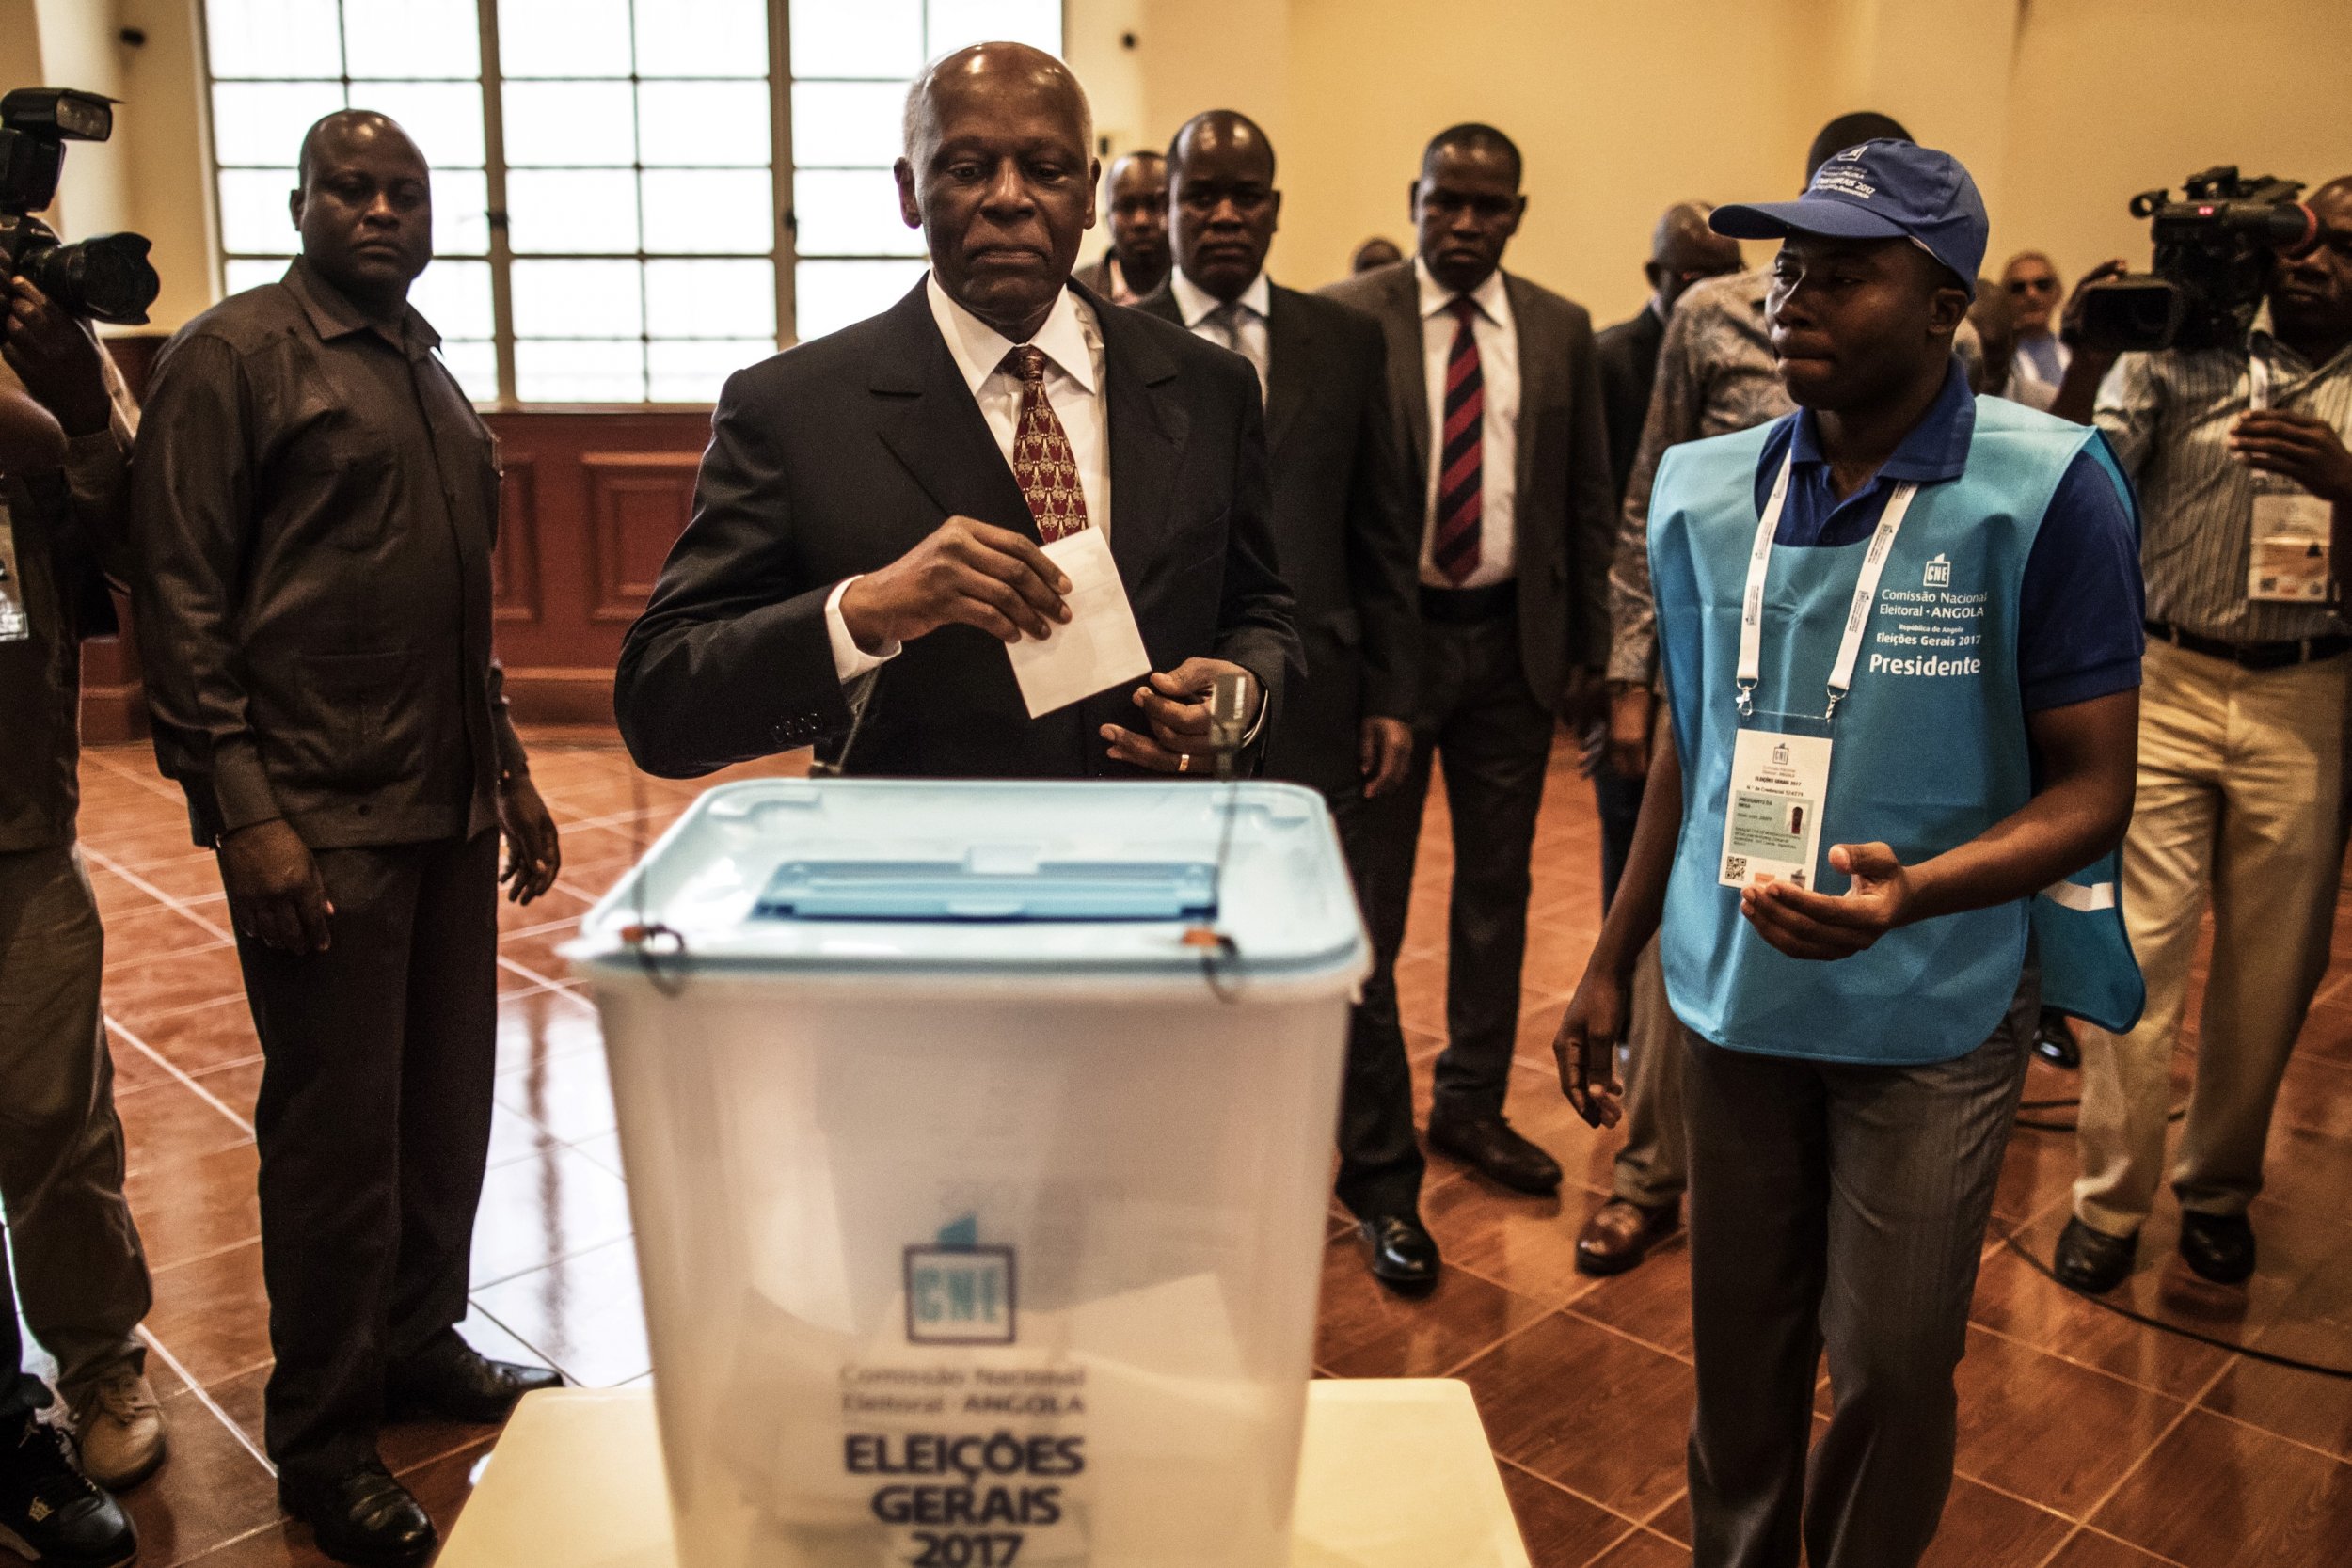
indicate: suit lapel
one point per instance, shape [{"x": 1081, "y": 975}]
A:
[
  {"x": 1148, "y": 427},
  {"x": 1290, "y": 349},
  {"x": 1407, "y": 376},
  {"x": 1537, "y": 370},
  {"x": 934, "y": 428}
]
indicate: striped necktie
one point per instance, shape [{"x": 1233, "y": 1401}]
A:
[{"x": 1461, "y": 506}]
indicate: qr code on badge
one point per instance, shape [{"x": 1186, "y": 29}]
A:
[{"x": 1735, "y": 869}]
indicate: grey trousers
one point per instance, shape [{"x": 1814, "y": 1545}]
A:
[
  {"x": 79, "y": 1269},
  {"x": 1653, "y": 1164},
  {"x": 1840, "y": 1208}
]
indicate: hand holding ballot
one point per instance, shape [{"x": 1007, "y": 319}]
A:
[
  {"x": 963, "y": 572},
  {"x": 1175, "y": 707}
]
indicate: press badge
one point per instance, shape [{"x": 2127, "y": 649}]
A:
[
  {"x": 1780, "y": 781},
  {"x": 15, "y": 627},
  {"x": 2288, "y": 563},
  {"x": 1772, "y": 818}
]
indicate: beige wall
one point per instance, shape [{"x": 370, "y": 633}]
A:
[{"x": 2062, "y": 108}]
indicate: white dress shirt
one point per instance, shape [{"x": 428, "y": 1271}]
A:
[
  {"x": 1240, "y": 326},
  {"x": 1497, "y": 336},
  {"x": 1072, "y": 343}
]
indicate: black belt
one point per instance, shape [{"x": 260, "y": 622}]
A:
[
  {"x": 1465, "y": 607},
  {"x": 2254, "y": 656}
]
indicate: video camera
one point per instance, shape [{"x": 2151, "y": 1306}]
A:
[
  {"x": 105, "y": 277},
  {"x": 2212, "y": 263}
]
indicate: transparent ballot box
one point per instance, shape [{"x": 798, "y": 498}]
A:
[{"x": 979, "y": 1139}]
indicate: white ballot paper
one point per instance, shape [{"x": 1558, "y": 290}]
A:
[{"x": 1098, "y": 647}]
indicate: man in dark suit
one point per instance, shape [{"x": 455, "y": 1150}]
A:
[
  {"x": 1348, "y": 534},
  {"x": 1135, "y": 195},
  {"x": 1682, "y": 251},
  {"x": 867, "y": 524},
  {"x": 1494, "y": 392},
  {"x": 313, "y": 510}
]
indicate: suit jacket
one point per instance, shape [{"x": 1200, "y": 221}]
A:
[
  {"x": 1565, "y": 524},
  {"x": 839, "y": 456},
  {"x": 1346, "y": 529},
  {"x": 1629, "y": 368}
]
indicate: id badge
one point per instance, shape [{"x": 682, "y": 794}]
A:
[
  {"x": 15, "y": 626},
  {"x": 2288, "y": 563},
  {"x": 1772, "y": 818}
]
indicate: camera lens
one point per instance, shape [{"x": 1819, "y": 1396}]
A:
[{"x": 105, "y": 277}]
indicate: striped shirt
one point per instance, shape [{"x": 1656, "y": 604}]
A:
[{"x": 2168, "y": 416}]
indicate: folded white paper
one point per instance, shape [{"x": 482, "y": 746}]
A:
[{"x": 1098, "y": 647}]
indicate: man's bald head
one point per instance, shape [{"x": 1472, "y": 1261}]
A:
[
  {"x": 1683, "y": 250},
  {"x": 352, "y": 128},
  {"x": 1000, "y": 176},
  {"x": 365, "y": 209},
  {"x": 1220, "y": 132},
  {"x": 992, "y": 71}
]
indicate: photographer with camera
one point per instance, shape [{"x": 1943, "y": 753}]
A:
[
  {"x": 2235, "y": 436},
  {"x": 80, "y": 1272}
]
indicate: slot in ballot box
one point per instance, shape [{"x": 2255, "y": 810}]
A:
[{"x": 978, "y": 1137}]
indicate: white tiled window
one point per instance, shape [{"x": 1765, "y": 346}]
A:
[{"x": 606, "y": 187}]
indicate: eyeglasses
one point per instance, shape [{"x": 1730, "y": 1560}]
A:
[{"x": 2032, "y": 285}]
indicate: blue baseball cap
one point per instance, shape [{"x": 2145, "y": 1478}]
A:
[{"x": 1880, "y": 190}]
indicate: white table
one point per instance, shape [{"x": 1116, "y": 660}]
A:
[{"x": 1395, "y": 1474}]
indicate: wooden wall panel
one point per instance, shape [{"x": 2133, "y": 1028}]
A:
[
  {"x": 514, "y": 563},
  {"x": 638, "y": 505}
]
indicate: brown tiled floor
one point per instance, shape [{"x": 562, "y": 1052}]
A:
[{"x": 2087, "y": 1441}]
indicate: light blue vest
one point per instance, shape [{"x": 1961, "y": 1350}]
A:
[{"x": 1930, "y": 751}]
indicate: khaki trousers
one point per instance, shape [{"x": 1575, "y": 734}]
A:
[
  {"x": 1653, "y": 1166},
  {"x": 80, "y": 1272},
  {"x": 2239, "y": 801}
]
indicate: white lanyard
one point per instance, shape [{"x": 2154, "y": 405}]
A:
[
  {"x": 2257, "y": 382},
  {"x": 1866, "y": 593}
]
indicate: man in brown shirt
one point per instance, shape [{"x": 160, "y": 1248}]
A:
[
  {"x": 314, "y": 504},
  {"x": 78, "y": 1268}
]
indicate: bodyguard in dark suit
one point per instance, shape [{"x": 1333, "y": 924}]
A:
[
  {"x": 1493, "y": 389},
  {"x": 1683, "y": 251},
  {"x": 1348, "y": 534},
  {"x": 867, "y": 524},
  {"x": 313, "y": 508}
]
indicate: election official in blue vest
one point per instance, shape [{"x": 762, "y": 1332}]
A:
[{"x": 1901, "y": 638}]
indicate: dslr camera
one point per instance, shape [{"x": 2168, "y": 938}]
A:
[
  {"x": 105, "y": 277},
  {"x": 2212, "y": 256}
]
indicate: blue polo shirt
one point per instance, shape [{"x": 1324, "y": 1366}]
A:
[{"x": 2081, "y": 603}]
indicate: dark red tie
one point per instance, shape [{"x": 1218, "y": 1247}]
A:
[
  {"x": 1041, "y": 460},
  {"x": 1461, "y": 504}
]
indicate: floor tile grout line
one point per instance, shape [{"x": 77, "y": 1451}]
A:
[
  {"x": 205, "y": 1398},
  {"x": 158, "y": 1271},
  {"x": 1629, "y": 1334},
  {"x": 1619, "y": 1514},
  {"x": 178, "y": 906},
  {"x": 2170, "y": 1426},
  {"x": 1493, "y": 1345},
  {"x": 172, "y": 1067},
  {"x": 2109, "y": 1373},
  {"x": 2257, "y": 1427},
  {"x": 152, "y": 784}
]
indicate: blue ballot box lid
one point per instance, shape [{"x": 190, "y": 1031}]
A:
[{"x": 1015, "y": 876}]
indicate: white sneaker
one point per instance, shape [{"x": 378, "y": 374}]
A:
[{"x": 120, "y": 1424}]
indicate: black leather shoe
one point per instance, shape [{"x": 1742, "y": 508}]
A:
[
  {"x": 459, "y": 1384},
  {"x": 1488, "y": 1144},
  {"x": 1621, "y": 1232},
  {"x": 51, "y": 1513},
  {"x": 2053, "y": 1041},
  {"x": 2220, "y": 1247},
  {"x": 362, "y": 1516},
  {"x": 1400, "y": 1253},
  {"x": 2091, "y": 1261}
]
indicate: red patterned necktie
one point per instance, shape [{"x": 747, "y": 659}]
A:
[
  {"x": 1461, "y": 504},
  {"x": 1042, "y": 461}
]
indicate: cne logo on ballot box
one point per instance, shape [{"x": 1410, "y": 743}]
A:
[{"x": 960, "y": 1293}]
